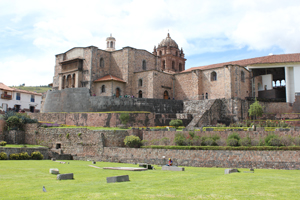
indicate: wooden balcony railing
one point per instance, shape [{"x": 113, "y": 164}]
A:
[{"x": 6, "y": 96}]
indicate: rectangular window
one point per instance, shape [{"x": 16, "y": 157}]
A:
[
  {"x": 32, "y": 98},
  {"x": 18, "y": 96}
]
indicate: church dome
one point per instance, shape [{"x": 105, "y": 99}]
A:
[
  {"x": 110, "y": 38},
  {"x": 168, "y": 41}
]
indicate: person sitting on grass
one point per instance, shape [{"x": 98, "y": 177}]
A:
[{"x": 170, "y": 162}]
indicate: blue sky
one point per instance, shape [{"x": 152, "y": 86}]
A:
[{"x": 32, "y": 32}]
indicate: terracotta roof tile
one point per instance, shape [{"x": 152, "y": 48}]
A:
[
  {"x": 5, "y": 87},
  {"x": 109, "y": 78},
  {"x": 27, "y": 92},
  {"x": 281, "y": 58}
]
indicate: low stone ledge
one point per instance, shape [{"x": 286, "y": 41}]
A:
[
  {"x": 229, "y": 171},
  {"x": 172, "y": 168},
  {"x": 114, "y": 179},
  {"x": 53, "y": 171},
  {"x": 65, "y": 176}
]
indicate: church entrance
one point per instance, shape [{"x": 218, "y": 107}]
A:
[
  {"x": 140, "y": 94},
  {"x": 117, "y": 92},
  {"x": 166, "y": 95}
]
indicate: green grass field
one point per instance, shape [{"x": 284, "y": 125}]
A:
[
  {"x": 33, "y": 88},
  {"x": 25, "y": 179}
]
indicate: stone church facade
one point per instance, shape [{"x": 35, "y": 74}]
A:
[{"x": 162, "y": 75}]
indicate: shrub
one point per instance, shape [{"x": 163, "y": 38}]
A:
[
  {"x": 232, "y": 142},
  {"x": 165, "y": 141},
  {"x": 3, "y": 156},
  {"x": 14, "y": 122},
  {"x": 124, "y": 117},
  {"x": 192, "y": 134},
  {"x": 68, "y": 135},
  {"x": 154, "y": 142},
  {"x": 23, "y": 156},
  {"x": 275, "y": 142},
  {"x": 255, "y": 142},
  {"x": 209, "y": 142},
  {"x": 79, "y": 134},
  {"x": 286, "y": 141},
  {"x": 176, "y": 123},
  {"x": 196, "y": 141},
  {"x": 3, "y": 143},
  {"x": 132, "y": 141},
  {"x": 14, "y": 156},
  {"x": 221, "y": 142},
  {"x": 37, "y": 155},
  {"x": 268, "y": 138},
  {"x": 179, "y": 139},
  {"x": 234, "y": 135},
  {"x": 246, "y": 141},
  {"x": 297, "y": 141},
  {"x": 255, "y": 110}
]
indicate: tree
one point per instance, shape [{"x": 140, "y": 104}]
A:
[
  {"x": 176, "y": 123},
  {"x": 255, "y": 110},
  {"x": 124, "y": 117}
]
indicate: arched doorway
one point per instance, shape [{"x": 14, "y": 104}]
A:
[
  {"x": 140, "y": 94},
  {"x": 118, "y": 92},
  {"x": 166, "y": 95},
  {"x": 69, "y": 81}
]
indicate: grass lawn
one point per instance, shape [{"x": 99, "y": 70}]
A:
[
  {"x": 25, "y": 179},
  {"x": 22, "y": 145},
  {"x": 33, "y": 88}
]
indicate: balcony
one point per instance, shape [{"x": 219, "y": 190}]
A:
[{"x": 6, "y": 96}]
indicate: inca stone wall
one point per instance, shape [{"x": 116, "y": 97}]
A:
[
  {"x": 80, "y": 100},
  {"x": 206, "y": 158},
  {"x": 2, "y": 125},
  {"x": 9, "y": 151}
]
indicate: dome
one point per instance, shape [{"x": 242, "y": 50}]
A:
[
  {"x": 168, "y": 41},
  {"x": 110, "y": 38}
]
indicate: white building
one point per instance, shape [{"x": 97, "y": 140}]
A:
[{"x": 19, "y": 99}]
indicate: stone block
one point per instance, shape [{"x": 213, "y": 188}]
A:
[
  {"x": 209, "y": 129},
  {"x": 114, "y": 179},
  {"x": 53, "y": 171},
  {"x": 172, "y": 129},
  {"x": 172, "y": 168},
  {"x": 53, "y": 159},
  {"x": 229, "y": 171},
  {"x": 65, "y": 176}
]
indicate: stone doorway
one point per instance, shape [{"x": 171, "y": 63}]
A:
[
  {"x": 117, "y": 92},
  {"x": 166, "y": 95}
]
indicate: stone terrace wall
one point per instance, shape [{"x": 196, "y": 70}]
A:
[
  {"x": 151, "y": 135},
  {"x": 80, "y": 100},
  {"x": 206, "y": 158},
  {"x": 2, "y": 125},
  {"x": 9, "y": 151},
  {"x": 107, "y": 119}
]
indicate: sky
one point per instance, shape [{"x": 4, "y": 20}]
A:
[{"x": 32, "y": 32}]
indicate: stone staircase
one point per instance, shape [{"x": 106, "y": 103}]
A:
[{"x": 202, "y": 107}]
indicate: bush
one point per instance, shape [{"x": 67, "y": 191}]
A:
[
  {"x": 191, "y": 134},
  {"x": 286, "y": 141},
  {"x": 275, "y": 142},
  {"x": 24, "y": 156},
  {"x": 3, "y": 156},
  {"x": 234, "y": 135},
  {"x": 13, "y": 122},
  {"x": 268, "y": 138},
  {"x": 196, "y": 141},
  {"x": 209, "y": 142},
  {"x": 232, "y": 142},
  {"x": 132, "y": 141},
  {"x": 14, "y": 156},
  {"x": 297, "y": 141},
  {"x": 179, "y": 139},
  {"x": 255, "y": 142},
  {"x": 165, "y": 141},
  {"x": 3, "y": 143},
  {"x": 221, "y": 142},
  {"x": 246, "y": 141},
  {"x": 68, "y": 135},
  {"x": 79, "y": 134},
  {"x": 176, "y": 123},
  {"x": 37, "y": 155},
  {"x": 124, "y": 117},
  {"x": 154, "y": 142}
]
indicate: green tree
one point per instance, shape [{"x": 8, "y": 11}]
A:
[
  {"x": 176, "y": 123},
  {"x": 255, "y": 110},
  {"x": 124, "y": 117}
]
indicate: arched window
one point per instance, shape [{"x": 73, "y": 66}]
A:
[
  {"x": 160, "y": 53},
  {"x": 103, "y": 89},
  {"x": 173, "y": 64},
  {"x": 73, "y": 81},
  {"x": 213, "y": 76},
  {"x": 111, "y": 44},
  {"x": 180, "y": 67},
  {"x": 282, "y": 82},
  {"x": 69, "y": 81},
  {"x": 140, "y": 82},
  {"x": 277, "y": 83},
  {"x": 101, "y": 62},
  {"x": 164, "y": 64},
  {"x": 140, "y": 94},
  {"x": 166, "y": 95},
  {"x": 206, "y": 95},
  {"x": 242, "y": 76},
  {"x": 118, "y": 92},
  {"x": 144, "y": 64}
]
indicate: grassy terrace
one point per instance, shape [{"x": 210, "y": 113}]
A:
[
  {"x": 22, "y": 146},
  {"x": 33, "y": 88},
  {"x": 25, "y": 179}
]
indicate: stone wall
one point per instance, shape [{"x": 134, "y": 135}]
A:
[
  {"x": 14, "y": 137},
  {"x": 2, "y": 125},
  {"x": 107, "y": 119},
  {"x": 9, "y": 151},
  {"x": 206, "y": 158},
  {"x": 80, "y": 100},
  {"x": 151, "y": 135}
]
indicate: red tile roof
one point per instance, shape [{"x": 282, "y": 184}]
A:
[
  {"x": 281, "y": 58},
  {"x": 4, "y": 87},
  {"x": 27, "y": 92},
  {"x": 109, "y": 78}
]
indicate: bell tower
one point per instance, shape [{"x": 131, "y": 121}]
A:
[{"x": 111, "y": 43}]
